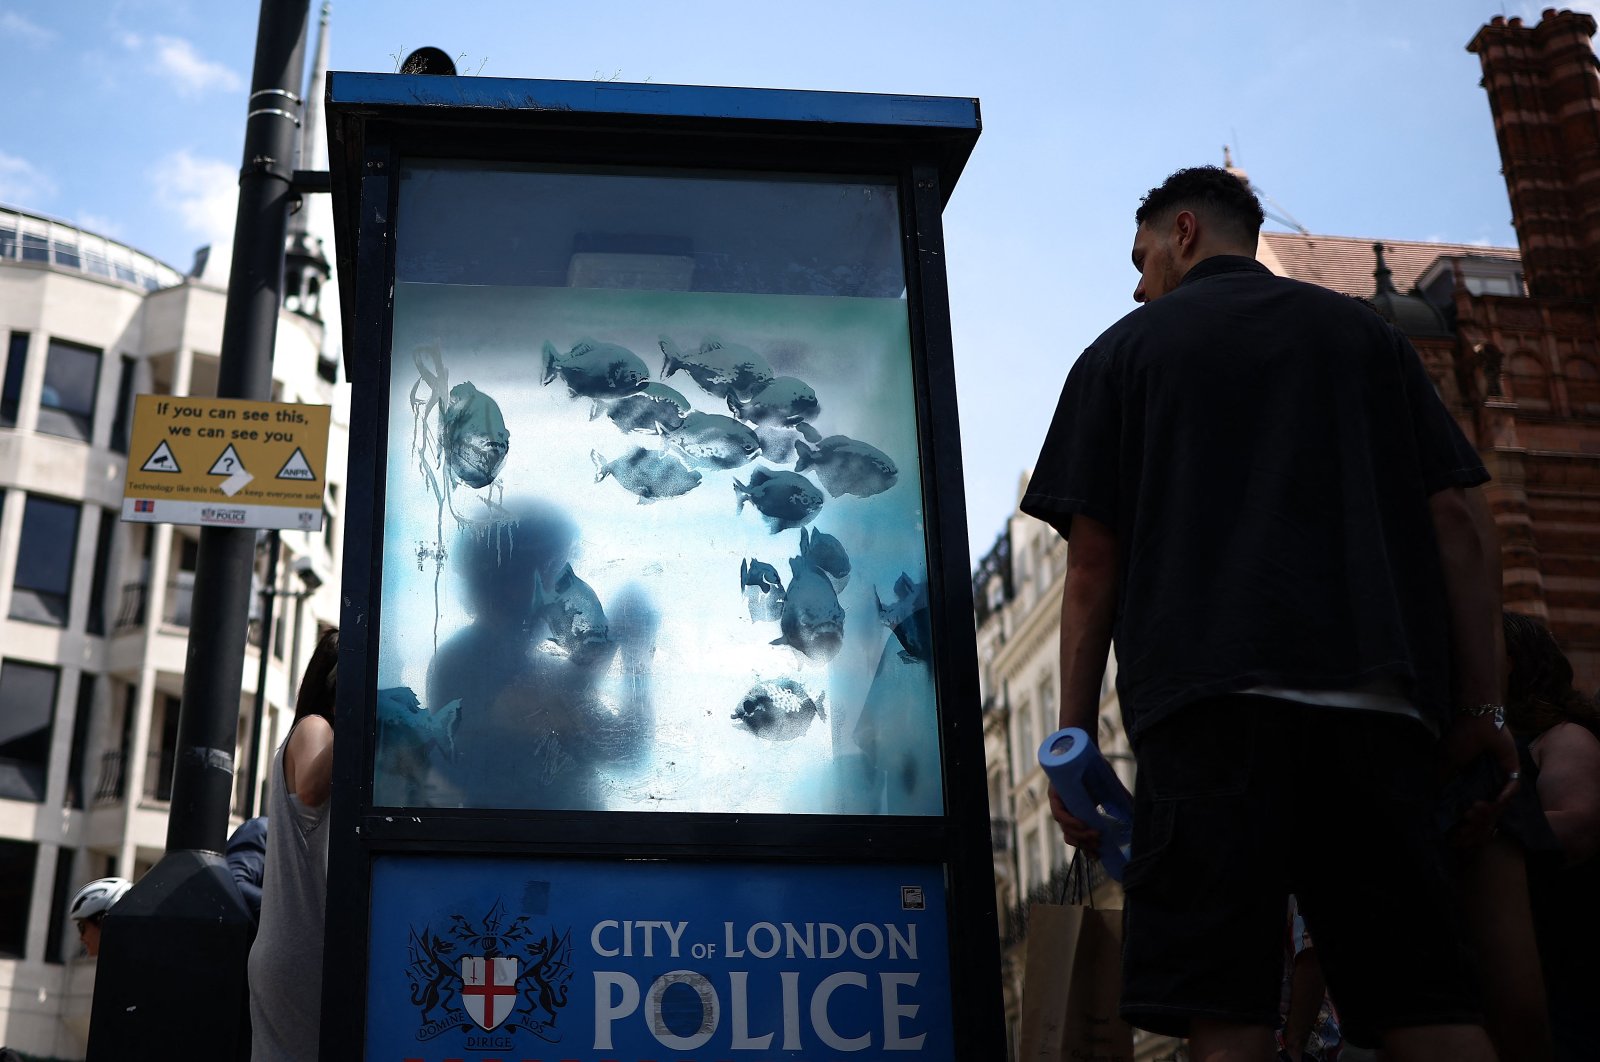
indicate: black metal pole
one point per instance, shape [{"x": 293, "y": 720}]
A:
[
  {"x": 258, "y": 714},
  {"x": 208, "y": 722},
  {"x": 173, "y": 951}
]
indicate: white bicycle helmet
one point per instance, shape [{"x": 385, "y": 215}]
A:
[{"x": 97, "y": 897}]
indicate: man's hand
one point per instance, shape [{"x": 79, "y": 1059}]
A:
[
  {"x": 1468, "y": 738},
  {"x": 1076, "y": 832}
]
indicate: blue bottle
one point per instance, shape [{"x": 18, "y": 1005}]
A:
[{"x": 1092, "y": 791}]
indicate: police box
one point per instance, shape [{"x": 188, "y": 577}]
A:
[{"x": 658, "y": 728}]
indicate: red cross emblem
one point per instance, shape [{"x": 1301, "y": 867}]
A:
[{"x": 485, "y": 983}]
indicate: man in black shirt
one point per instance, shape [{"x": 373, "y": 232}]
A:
[{"x": 1274, "y": 515}]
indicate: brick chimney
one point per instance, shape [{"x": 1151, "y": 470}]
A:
[{"x": 1544, "y": 91}]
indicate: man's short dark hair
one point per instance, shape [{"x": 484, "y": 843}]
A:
[{"x": 1210, "y": 191}]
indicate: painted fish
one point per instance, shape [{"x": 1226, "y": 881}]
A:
[
  {"x": 402, "y": 721},
  {"x": 596, "y": 370},
  {"x": 847, "y": 466},
  {"x": 408, "y": 737},
  {"x": 762, "y": 588},
  {"x": 779, "y": 709},
  {"x": 908, "y": 618},
  {"x": 650, "y": 474},
  {"x": 784, "y": 499},
  {"x": 474, "y": 436},
  {"x": 824, "y": 553},
  {"x": 578, "y": 629},
  {"x": 710, "y": 440},
  {"x": 777, "y": 443},
  {"x": 782, "y": 400},
  {"x": 654, "y": 408},
  {"x": 812, "y": 620},
  {"x": 722, "y": 369}
]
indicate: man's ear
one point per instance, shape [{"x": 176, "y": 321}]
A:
[{"x": 1185, "y": 231}]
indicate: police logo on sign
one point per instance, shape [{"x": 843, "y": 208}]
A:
[{"x": 496, "y": 974}]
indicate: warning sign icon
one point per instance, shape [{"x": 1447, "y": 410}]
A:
[
  {"x": 296, "y": 467},
  {"x": 228, "y": 464},
  {"x": 161, "y": 460}
]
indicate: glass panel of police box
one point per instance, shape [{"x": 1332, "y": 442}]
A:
[{"x": 654, "y": 532}]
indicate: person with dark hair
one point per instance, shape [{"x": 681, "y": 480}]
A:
[
  {"x": 1557, "y": 727},
  {"x": 1273, "y": 514},
  {"x": 286, "y": 959},
  {"x": 529, "y": 681}
]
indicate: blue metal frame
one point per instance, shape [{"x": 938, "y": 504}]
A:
[{"x": 635, "y": 99}]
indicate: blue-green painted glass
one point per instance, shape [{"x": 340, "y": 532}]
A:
[{"x": 654, "y": 532}]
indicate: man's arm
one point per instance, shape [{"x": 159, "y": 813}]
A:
[
  {"x": 1469, "y": 552},
  {"x": 1088, "y": 607}
]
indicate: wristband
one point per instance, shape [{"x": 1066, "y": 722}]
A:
[{"x": 1498, "y": 711}]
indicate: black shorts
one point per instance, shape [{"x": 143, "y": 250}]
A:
[{"x": 1243, "y": 800}]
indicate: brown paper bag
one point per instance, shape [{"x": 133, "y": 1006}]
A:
[{"x": 1071, "y": 986}]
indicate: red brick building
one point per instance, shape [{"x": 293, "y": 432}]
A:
[{"x": 1512, "y": 337}]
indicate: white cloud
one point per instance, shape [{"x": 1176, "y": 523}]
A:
[
  {"x": 22, "y": 183},
  {"x": 19, "y": 28},
  {"x": 203, "y": 193},
  {"x": 176, "y": 60}
]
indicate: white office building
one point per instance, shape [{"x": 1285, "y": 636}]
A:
[{"x": 95, "y": 612}]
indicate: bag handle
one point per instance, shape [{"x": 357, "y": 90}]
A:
[{"x": 1076, "y": 887}]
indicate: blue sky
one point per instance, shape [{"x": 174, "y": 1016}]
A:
[{"x": 1360, "y": 117}]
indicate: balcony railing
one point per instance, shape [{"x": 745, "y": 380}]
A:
[
  {"x": 109, "y": 790},
  {"x": 176, "y": 609},
  {"x": 130, "y": 611}
]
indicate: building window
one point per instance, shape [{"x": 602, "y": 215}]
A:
[
  {"x": 1030, "y": 862},
  {"x": 27, "y": 706},
  {"x": 55, "y": 945},
  {"x": 1047, "y": 707},
  {"x": 180, "y": 588},
  {"x": 1530, "y": 384},
  {"x": 42, "y": 589},
  {"x": 1027, "y": 742},
  {"x": 96, "y": 622},
  {"x": 11, "y": 394},
  {"x": 73, "y": 796},
  {"x": 35, "y": 248},
  {"x": 122, "y": 424},
  {"x": 110, "y": 786},
  {"x": 17, "y": 860},
  {"x": 163, "y": 758},
  {"x": 71, "y": 378}
]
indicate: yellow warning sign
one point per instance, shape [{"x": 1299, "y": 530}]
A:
[{"x": 226, "y": 462}]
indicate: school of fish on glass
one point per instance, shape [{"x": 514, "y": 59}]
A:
[{"x": 769, "y": 417}]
